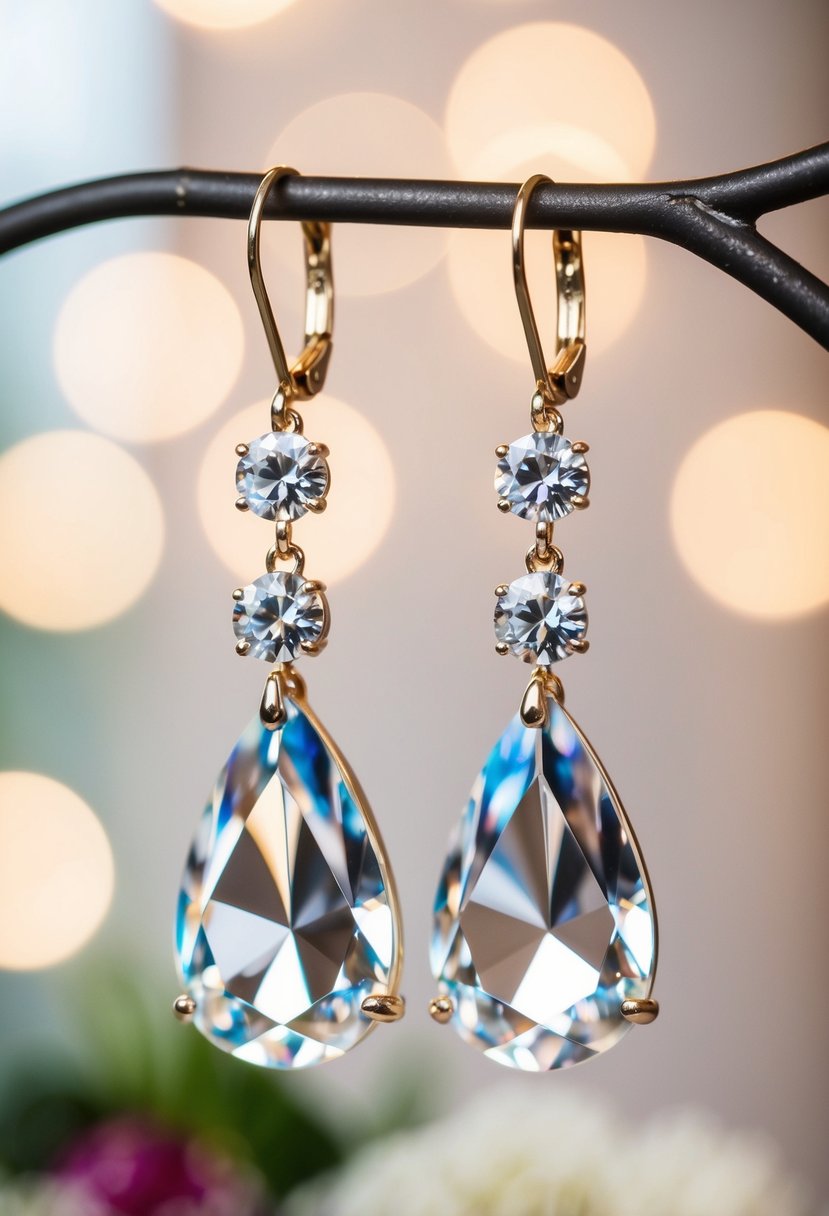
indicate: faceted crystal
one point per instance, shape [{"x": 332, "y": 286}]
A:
[
  {"x": 284, "y": 922},
  {"x": 540, "y": 475},
  {"x": 282, "y": 476},
  {"x": 276, "y": 614},
  {"x": 544, "y": 922},
  {"x": 539, "y": 618}
]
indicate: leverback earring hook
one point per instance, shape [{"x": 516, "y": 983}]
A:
[
  {"x": 561, "y": 381},
  {"x": 307, "y": 375}
]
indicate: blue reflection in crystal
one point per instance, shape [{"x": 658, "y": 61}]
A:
[
  {"x": 284, "y": 924},
  {"x": 544, "y": 922}
]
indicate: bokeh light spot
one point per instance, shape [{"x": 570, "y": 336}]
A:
[
  {"x": 480, "y": 275},
  {"x": 83, "y": 530},
  {"x": 56, "y": 872},
  {"x": 365, "y": 135},
  {"x": 360, "y": 503},
  {"x": 148, "y": 346},
  {"x": 557, "y": 94},
  {"x": 223, "y": 14},
  {"x": 480, "y": 262},
  {"x": 750, "y": 513}
]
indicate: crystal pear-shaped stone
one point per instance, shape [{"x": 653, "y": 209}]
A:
[
  {"x": 544, "y": 921},
  {"x": 286, "y": 918}
]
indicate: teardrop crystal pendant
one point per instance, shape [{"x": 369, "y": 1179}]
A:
[
  {"x": 287, "y": 918},
  {"x": 544, "y": 920}
]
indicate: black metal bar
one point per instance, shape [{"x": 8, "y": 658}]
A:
[
  {"x": 711, "y": 217},
  {"x": 748, "y": 257}
]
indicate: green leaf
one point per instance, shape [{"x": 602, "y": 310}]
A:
[{"x": 134, "y": 1058}]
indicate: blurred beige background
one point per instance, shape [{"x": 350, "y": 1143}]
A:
[{"x": 709, "y": 710}]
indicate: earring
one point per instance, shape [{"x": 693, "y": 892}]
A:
[
  {"x": 544, "y": 941},
  {"x": 288, "y": 937}
]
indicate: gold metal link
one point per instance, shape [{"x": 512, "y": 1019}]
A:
[
  {"x": 291, "y": 681},
  {"x": 543, "y": 539},
  {"x": 283, "y": 539},
  {"x": 552, "y": 561},
  {"x": 273, "y": 558},
  {"x": 544, "y": 415},
  {"x": 284, "y": 417}
]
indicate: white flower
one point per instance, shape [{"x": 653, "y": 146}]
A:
[
  {"x": 556, "y": 1155},
  {"x": 688, "y": 1165}
]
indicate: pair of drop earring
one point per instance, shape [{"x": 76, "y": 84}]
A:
[{"x": 288, "y": 935}]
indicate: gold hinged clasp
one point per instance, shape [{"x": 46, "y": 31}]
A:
[
  {"x": 560, "y": 381},
  {"x": 306, "y": 376}
]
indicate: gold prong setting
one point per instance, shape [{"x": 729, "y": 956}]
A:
[
  {"x": 441, "y": 1009},
  {"x": 640, "y": 1012},
  {"x": 280, "y": 616},
  {"x": 542, "y": 476},
  {"x": 314, "y": 648},
  {"x": 282, "y": 475},
  {"x": 541, "y": 617},
  {"x": 534, "y": 709},
  {"x": 272, "y": 712},
  {"x": 184, "y": 1007},
  {"x": 384, "y": 1007},
  {"x": 534, "y": 703}
]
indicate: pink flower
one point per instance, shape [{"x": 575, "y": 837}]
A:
[{"x": 132, "y": 1167}]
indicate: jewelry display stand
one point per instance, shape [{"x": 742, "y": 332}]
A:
[{"x": 714, "y": 218}]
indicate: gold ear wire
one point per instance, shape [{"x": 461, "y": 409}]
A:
[
  {"x": 561, "y": 381},
  {"x": 306, "y": 376}
]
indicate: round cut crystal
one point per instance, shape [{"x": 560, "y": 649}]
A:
[
  {"x": 277, "y": 614},
  {"x": 282, "y": 476},
  {"x": 539, "y": 618},
  {"x": 540, "y": 475}
]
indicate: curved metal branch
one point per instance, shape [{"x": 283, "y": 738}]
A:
[{"x": 712, "y": 217}]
